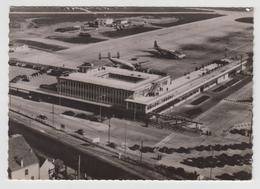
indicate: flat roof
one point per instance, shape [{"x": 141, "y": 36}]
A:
[
  {"x": 190, "y": 84},
  {"x": 96, "y": 76}
]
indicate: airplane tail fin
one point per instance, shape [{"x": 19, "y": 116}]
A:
[{"x": 155, "y": 44}]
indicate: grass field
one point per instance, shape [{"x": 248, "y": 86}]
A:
[
  {"x": 39, "y": 45},
  {"x": 187, "y": 18},
  {"x": 77, "y": 39},
  {"x": 107, "y": 9},
  {"x": 246, "y": 20},
  {"x": 126, "y": 32},
  {"x": 49, "y": 19}
]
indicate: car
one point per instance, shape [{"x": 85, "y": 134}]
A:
[
  {"x": 42, "y": 117},
  {"x": 33, "y": 98},
  {"x": 80, "y": 131}
]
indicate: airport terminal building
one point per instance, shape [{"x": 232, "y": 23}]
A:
[
  {"x": 142, "y": 92},
  {"x": 112, "y": 86}
]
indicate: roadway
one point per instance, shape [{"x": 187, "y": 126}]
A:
[
  {"x": 101, "y": 157},
  {"x": 135, "y": 132}
]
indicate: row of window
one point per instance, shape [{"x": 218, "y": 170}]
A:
[
  {"x": 136, "y": 107},
  {"x": 93, "y": 92}
]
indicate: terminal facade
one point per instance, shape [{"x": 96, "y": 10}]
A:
[{"x": 143, "y": 92}]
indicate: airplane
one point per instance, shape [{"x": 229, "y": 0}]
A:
[
  {"x": 168, "y": 53},
  {"x": 117, "y": 61},
  {"x": 131, "y": 66}
]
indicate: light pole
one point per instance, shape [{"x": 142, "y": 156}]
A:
[
  {"x": 251, "y": 127},
  {"x": 134, "y": 111},
  {"x": 100, "y": 115},
  {"x": 79, "y": 168},
  {"x": 109, "y": 130},
  {"x": 52, "y": 115},
  {"x": 125, "y": 137},
  {"x": 100, "y": 108},
  {"x": 10, "y": 98},
  {"x": 141, "y": 148},
  {"x": 212, "y": 154}
]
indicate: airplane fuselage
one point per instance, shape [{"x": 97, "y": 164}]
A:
[
  {"x": 168, "y": 53},
  {"x": 122, "y": 63}
]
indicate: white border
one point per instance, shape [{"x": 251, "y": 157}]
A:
[{"x": 4, "y": 9}]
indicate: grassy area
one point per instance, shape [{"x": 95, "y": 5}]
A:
[
  {"x": 146, "y": 9},
  {"x": 187, "y": 18},
  {"x": 107, "y": 9},
  {"x": 240, "y": 9},
  {"x": 49, "y": 19},
  {"x": 78, "y": 39},
  {"x": 66, "y": 29},
  {"x": 43, "y": 9},
  {"x": 39, "y": 45},
  {"x": 126, "y": 32},
  {"x": 249, "y": 20}
]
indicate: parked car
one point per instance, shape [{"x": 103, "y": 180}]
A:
[
  {"x": 42, "y": 117},
  {"x": 80, "y": 131}
]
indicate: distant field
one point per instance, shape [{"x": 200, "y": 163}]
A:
[
  {"x": 100, "y": 9},
  {"x": 49, "y": 19},
  {"x": 249, "y": 20},
  {"x": 43, "y": 9},
  {"x": 41, "y": 46},
  {"x": 126, "y": 32},
  {"x": 66, "y": 29},
  {"x": 187, "y": 18},
  {"x": 240, "y": 9},
  {"x": 78, "y": 39}
]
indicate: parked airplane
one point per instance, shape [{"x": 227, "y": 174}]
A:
[
  {"x": 168, "y": 53},
  {"x": 117, "y": 61}
]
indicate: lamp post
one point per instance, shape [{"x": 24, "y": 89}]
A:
[
  {"x": 212, "y": 154},
  {"x": 141, "y": 151},
  {"x": 109, "y": 130},
  {"x": 52, "y": 111},
  {"x": 125, "y": 138},
  {"x": 251, "y": 127},
  {"x": 134, "y": 111},
  {"x": 10, "y": 101},
  {"x": 100, "y": 108},
  {"x": 100, "y": 115}
]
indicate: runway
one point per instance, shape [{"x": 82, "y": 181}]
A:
[{"x": 136, "y": 45}]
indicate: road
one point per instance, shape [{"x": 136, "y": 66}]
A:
[
  {"x": 135, "y": 131},
  {"x": 99, "y": 162}
]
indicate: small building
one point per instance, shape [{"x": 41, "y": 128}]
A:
[
  {"x": 22, "y": 162},
  {"x": 46, "y": 169},
  {"x": 121, "y": 22},
  {"x": 105, "y": 21}
]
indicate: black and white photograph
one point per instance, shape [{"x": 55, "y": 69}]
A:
[{"x": 130, "y": 93}]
